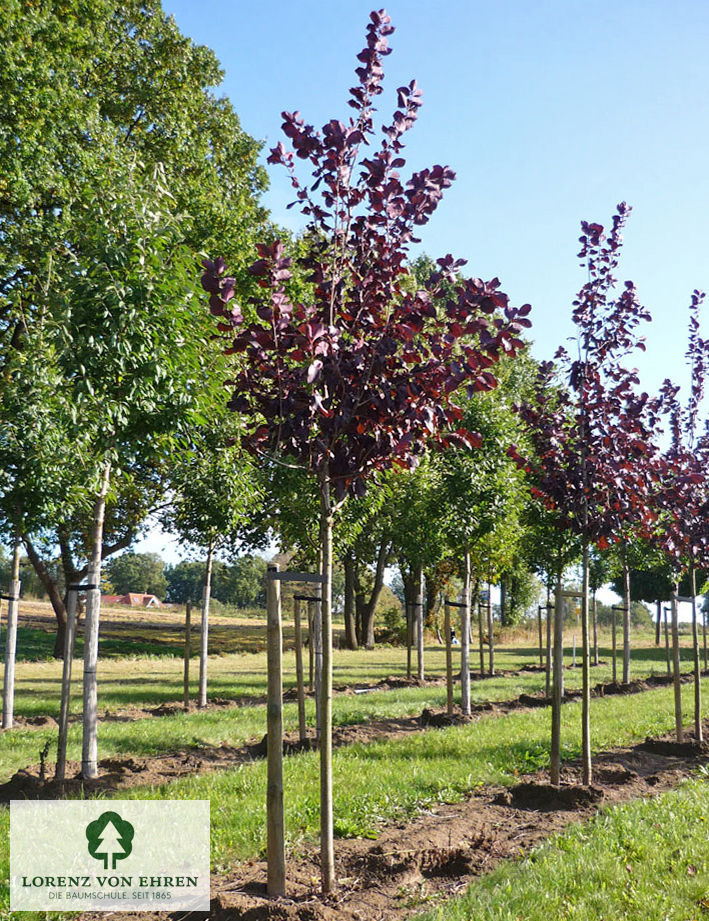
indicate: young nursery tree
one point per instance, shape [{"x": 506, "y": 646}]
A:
[{"x": 357, "y": 377}]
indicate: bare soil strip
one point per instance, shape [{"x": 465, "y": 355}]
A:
[
  {"x": 116, "y": 774},
  {"x": 411, "y": 866}
]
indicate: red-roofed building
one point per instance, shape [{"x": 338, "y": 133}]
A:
[{"x": 134, "y": 600}]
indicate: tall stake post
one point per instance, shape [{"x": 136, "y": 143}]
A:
[
  {"x": 595, "y": 629},
  {"x": 679, "y": 731},
  {"x": 449, "y": 657},
  {"x": 13, "y": 608},
  {"x": 586, "y": 770},
  {"x": 541, "y": 636},
  {"x": 275, "y": 820},
  {"x": 667, "y": 643},
  {"x": 204, "y": 630},
  {"x": 409, "y": 637},
  {"x": 547, "y": 677},
  {"x": 490, "y": 631},
  {"x": 302, "y": 728},
  {"x": 311, "y": 649},
  {"x": 70, "y": 633},
  {"x": 317, "y": 666},
  {"x": 89, "y": 741},
  {"x": 626, "y": 622},
  {"x": 188, "y": 653},
  {"x": 418, "y": 607},
  {"x": 557, "y": 687},
  {"x": 695, "y": 652},
  {"x": 465, "y": 637},
  {"x": 327, "y": 847},
  {"x": 481, "y": 634},
  {"x": 614, "y": 648}
]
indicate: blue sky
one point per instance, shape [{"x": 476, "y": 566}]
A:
[{"x": 550, "y": 112}]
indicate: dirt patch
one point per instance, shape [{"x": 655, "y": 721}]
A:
[
  {"x": 32, "y": 722},
  {"x": 411, "y": 866}
]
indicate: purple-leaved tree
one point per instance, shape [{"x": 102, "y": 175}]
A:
[{"x": 357, "y": 377}]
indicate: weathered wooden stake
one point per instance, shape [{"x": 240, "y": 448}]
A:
[
  {"x": 613, "y": 645},
  {"x": 481, "y": 634},
  {"x": 449, "y": 657},
  {"x": 665, "y": 610},
  {"x": 698, "y": 735},
  {"x": 465, "y": 637},
  {"x": 547, "y": 676},
  {"x": 679, "y": 730},
  {"x": 69, "y": 635},
  {"x": 557, "y": 687},
  {"x": 311, "y": 650},
  {"x": 204, "y": 630},
  {"x": 573, "y": 651},
  {"x": 13, "y": 608},
  {"x": 409, "y": 637},
  {"x": 317, "y": 654},
  {"x": 595, "y": 629},
  {"x": 188, "y": 653},
  {"x": 490, "y": 631},
  {"x": 302, "y": 728},
  {"x": 418, "y": 607},
  {"x": 275, "y": 821},
  {"x": 541, "y": 635}
]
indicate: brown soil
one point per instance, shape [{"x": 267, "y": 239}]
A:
[
  {"x": 117, "y": 774},
  {"x": 411, "y": 866}
]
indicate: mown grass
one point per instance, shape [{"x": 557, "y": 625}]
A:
[
  {"x": 646, "y": 860},
  {"x": 391, "y": 780}
]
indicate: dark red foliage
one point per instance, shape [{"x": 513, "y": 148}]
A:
[
  {"x": 595, "y": 460},
  {"x": 359, "y": 377}
]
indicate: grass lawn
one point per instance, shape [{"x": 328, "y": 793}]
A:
[{"x": 646, "y": 860}]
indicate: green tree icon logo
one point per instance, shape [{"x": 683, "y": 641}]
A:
[{"x": 110, "y": 839}]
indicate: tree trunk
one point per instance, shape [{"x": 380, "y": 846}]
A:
[
  {"x": 548, "y": 650},
  {"x": 695, "y": 651},
  {"x": 614, "y": 646},
  {"x": 418, "y": 611},
  {"x": 275, "y": 819},
  {"x": 368, "y": 626},
  {"x": 350, "y": 613},
  {"x": 679, "y": 731},
  {"x": 50, "y": 587},
  {"x": 89, "y": 745},
  {"x": 540, "y": 632},
  {"x": 490, "y": 631},
  {"x": 60, "y": 771},
  {"x": 667, "y": 644},
  {"x": 658, "y": 625},
  {"x": 465, "y": 637},
  {"x": 327, "y": 855},
  {"x": 626, "y": 619},
  {"x": 557, "y": 687},
  {"x": 204, "y": 629},
  {"x": 586, "y": 770},
  {"x": 13, "y": 605}
]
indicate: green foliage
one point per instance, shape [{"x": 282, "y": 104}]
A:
[
  {"x": 240, "y": 584},
  {"x": 137, "y": 572}
]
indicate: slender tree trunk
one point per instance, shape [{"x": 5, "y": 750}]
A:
[
  {"x": 490, "y": 631},
  {"x": 557, "y": 687},
  {"x": 418, "y": 608},
  {"x": 311, "y": 651},
  {"x": 89, "y": 746},
  {"x": 626, "y": 619},
  {"x": 275, "y": 818},
  {"x": 350, "y": 615},
  {"x": 449, "y": 657},
  {"x": 481, "y": 635},
  {"x": 658, "y": 625},
  {"x": 548, "y": 655},
  {"x": 187, "y": 654},
  {"x": 409, "y": 636},
  {"x": 299, "y": 681},
  {"x": 465, "y": 637},
  {"x": 50, "y": 587},
  {"x": 13, "y": 606},
  {"x": 586, "y": 769},
  {"x": 667, "y": 644},
  {"x": 695, "y": 651},
  {"x": 382, "y": 559},
  {"x": 327, "y": 855},
  {"x": 318, "y": 663},
  {"x": 595, "y": 629},
  {"x": 614, "y": 646},
  {"x": 60, "y": 771},
  {"x": 540, "y": 631},
  {"x": 679, "y": 730},
  {"x": 204, "y": 628}
]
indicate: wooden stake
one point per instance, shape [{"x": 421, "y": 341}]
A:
[
  {"x": 615, "y": 664},
  {"x": 311, "y": 651},
  {"x": 449, "y": 657},
  {"x": 317, "y": 655},
  {"x": 409, "y": 637},
  {"x": 302, "y": 728},
  {"x": 188, "y": 653},
  {"x": 679, "y": 731},
  {"x": 490, "y": 631},
  {"x": 481, "y": 634},
  {"x": 418, "y": 607},
  {"x": 275, "y": 821},
  {"x": 204, "y": 630},
  {"x": 70, "y": 633},
  {"x": 465, "y": 637},
  {"x": 557, "y": 688},
  {"x": 667, "y": 642},
  {"x": 327, "y": 832},
  {"x": 541, "y": 635},
  {"x": 695, "y": 652},
  {"x": 586, "y": 768},
  {"x": 13, "y": 607}
]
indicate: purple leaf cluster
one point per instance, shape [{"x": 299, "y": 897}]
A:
[{"x": 359, "y": 376}]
